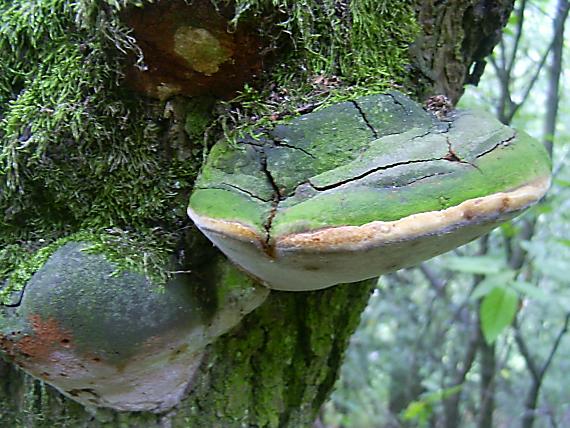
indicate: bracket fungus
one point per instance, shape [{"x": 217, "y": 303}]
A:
[
  {"x": 363, "y": 188},
  {"x": 113, "y": 339}
]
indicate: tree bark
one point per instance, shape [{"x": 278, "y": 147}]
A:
[
  {"x": 554, "y": 73},
  {"x": 278, "y": 366},
  {"x": 487, "y": 387}
]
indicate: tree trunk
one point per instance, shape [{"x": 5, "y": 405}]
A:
[
  {"x": 279, "y": 364},
  {"x": 487, "y": 387}
]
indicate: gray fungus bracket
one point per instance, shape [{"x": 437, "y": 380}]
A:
[
  {"x": 362, "y": 188},
  {"x": 110, "y": 338}
]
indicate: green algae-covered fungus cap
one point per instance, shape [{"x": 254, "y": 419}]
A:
[{"x": 362, "y": 188}]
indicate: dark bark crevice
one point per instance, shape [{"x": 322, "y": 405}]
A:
[{"x": 455, "y": 39}]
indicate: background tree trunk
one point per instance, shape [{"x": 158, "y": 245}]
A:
[{"x": 277, "y": 367}]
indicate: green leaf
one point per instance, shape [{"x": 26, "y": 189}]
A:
[
  {"x": 498, "y": 310},
  {"x": 509, "y": 229},
  {"x": 491, "y": 282},
  {"x": 442, "y": 394},
  {"x": 543, "y": 208},
  {"x": 418, "y": 411},
  {"x": 483, "y": 265},
  {"x": 565, "y": 242},
  {"x": 563, "y": 183}
]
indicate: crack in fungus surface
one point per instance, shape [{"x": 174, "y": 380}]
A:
[
  {"x": 280, "y": 143},
  {"x": 239, "y": 189},
  {"x": 425, "y": 177},
  {"x": 496, "y": 146},
  {"x": 423, "y": 135},
  {"x": 365, "y": 119},
  {"x": 396, "y": 101},
  {"x": 279, "y": 197},
  {"x": 276, "y": 143},
  {"x": 372, "y": 171},
  {"x": 452, "y": 156}
]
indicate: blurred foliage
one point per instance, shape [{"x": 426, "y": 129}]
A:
[{"x": 409, "y": 360}]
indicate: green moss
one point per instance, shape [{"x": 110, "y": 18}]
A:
[
  {"x": 336, "y": 51},
  {"x": 198, "y": 117},
  {"x": 78, "y": 152},
  {"x": 360, "y": 40},
  {"x": 279, "y": 364},
  {"x": 146, "y": 252}
]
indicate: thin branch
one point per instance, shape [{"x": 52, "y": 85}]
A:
[
  {"x": 538, "y": 373},
  {"x": 487, "y": 383},
  {"x": 451, "y": 404},
  {"x": 503, "y": 51},
  {"x": 532, "y": 82},
  {"x": 436, "y": 283},
  {"x": 561, "y": 162},
  {"x": 557, "y": 34},
  {"x": 495, "y": 65},
  {"x": 518, "y": 34},
  {"x": 553, "y": 75},
  {"x": 525, "y": 352},
  {"x": 561, "y": 334},
  {"x": 470, "y": 354}
]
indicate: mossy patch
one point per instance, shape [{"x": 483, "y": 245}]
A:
[
  {"x": 146, "y": 252},
  {"x": 79, "y": 154},
  {"x": 269, "y": 364},
  {"x": 334, "y": 51},
  {"x": 360, "y": 40}
]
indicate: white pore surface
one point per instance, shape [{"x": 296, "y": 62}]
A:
[{"x": 320, "y": 259}]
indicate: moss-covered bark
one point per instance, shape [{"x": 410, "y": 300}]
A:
[{"x": 83, "y": 153}]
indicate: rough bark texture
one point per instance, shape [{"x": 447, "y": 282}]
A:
[
  {"x": 278, "y": 366},
  {"x": 456, "y": 38}
]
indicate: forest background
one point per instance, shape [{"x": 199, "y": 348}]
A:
[{"x": 479, "y": 337}]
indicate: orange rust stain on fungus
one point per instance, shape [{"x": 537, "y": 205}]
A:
[
  {"x": 505, "y": 204},
  {"x": 222, "y": 60},
  {"x": 47, "y": 336},
  {"x": 468, "y": 214}
]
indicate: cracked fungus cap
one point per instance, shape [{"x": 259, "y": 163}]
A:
[{"x": 363, "y": 188}]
